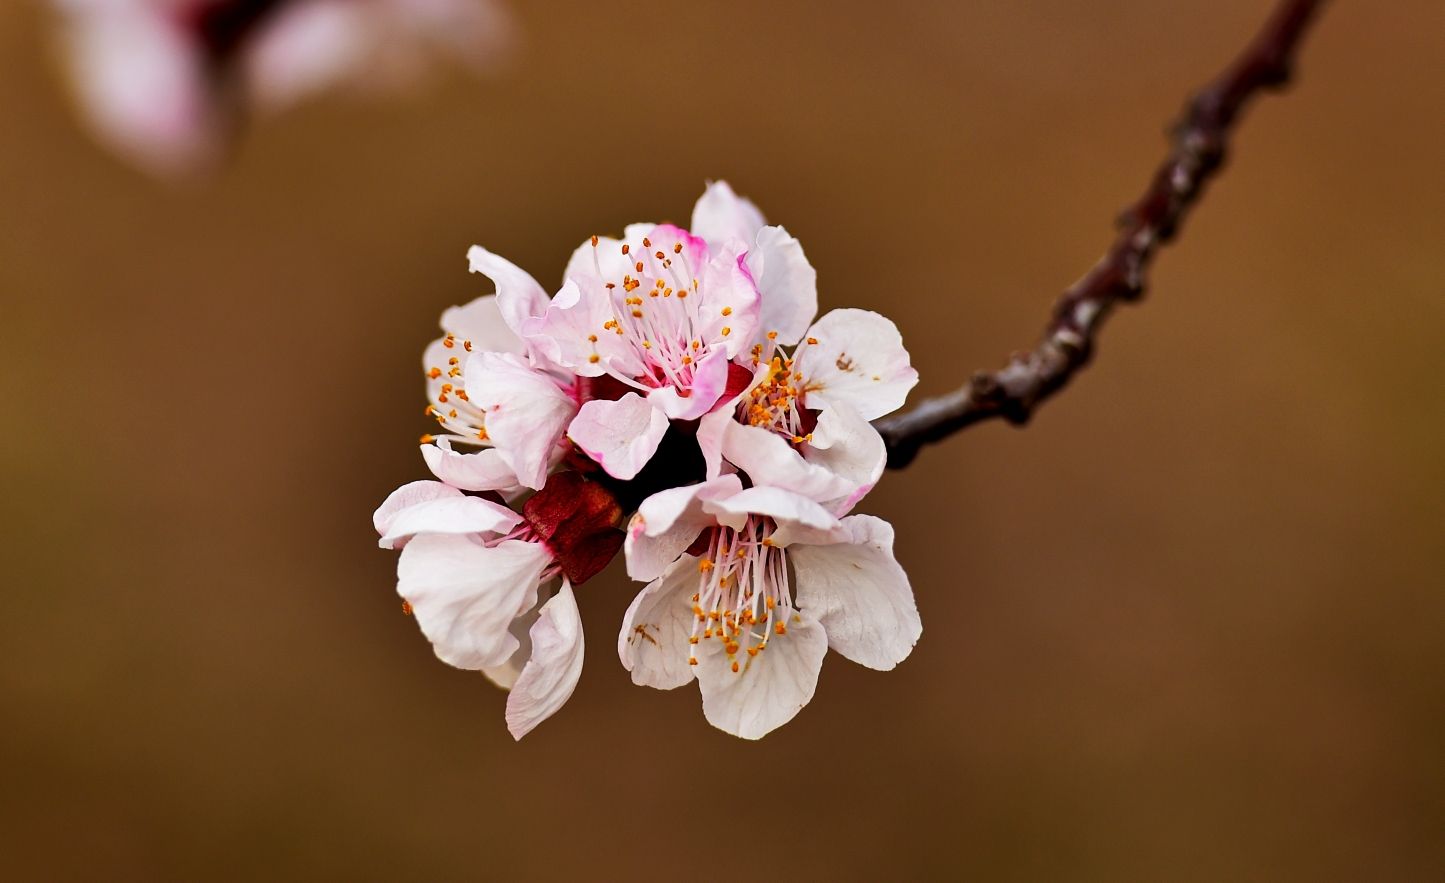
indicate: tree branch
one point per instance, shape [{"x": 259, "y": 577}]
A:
[{"x": 1198, "y": 146}]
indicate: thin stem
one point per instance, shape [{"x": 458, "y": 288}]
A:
[{"x": 1198, "y": 143}]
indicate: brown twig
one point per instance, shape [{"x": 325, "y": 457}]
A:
[{"x": 1198, "y": 145}]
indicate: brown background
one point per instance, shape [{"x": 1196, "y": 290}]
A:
[{"x": 1186, "y": 626}]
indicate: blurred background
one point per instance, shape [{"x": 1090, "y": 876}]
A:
[{"x": 1185, "y": 626}]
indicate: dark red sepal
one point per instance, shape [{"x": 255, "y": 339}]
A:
[
  {"x": 739, "y": 379},
  {"x": 605, "y": 388},
  {"x": 578, "y": 521},
  {"x": 807, "y": 421},
  {"x": 701, "y": 545}
]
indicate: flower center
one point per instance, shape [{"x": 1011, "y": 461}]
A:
[
  {"x": 744, "y": 597},
  {"x": 462, "y": 421},
  {"x": 775, "y": 403},
  {"x": 657, "y": 311},
  {"x": 778, "y": 403}
]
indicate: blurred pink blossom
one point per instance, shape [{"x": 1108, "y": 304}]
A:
[{"x": 165, "y": 83}]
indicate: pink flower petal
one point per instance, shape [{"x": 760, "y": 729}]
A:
[
  {"x": 620, "y": 435},
  {"x": 721, "y": 216}
]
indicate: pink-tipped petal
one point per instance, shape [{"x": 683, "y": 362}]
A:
[
  {"x": 620, "y": 435},
  {"x": 850, "y": 448},
  {"x": 708, "y": 384},
  {"x": 572, "y": 332},
  {"x": 730, "y": 302},
  {"x": 788, "y": 284}
]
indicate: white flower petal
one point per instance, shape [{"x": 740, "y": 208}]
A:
[
  {"x": 620, "y": 435},
  {"x": 449, "y": 515},
  {"x": 859, "y": 360},
  {"x": 438, "y": 355},
  {"x": 770, "y": 461},
  {"x": 788, "y": 283},
  {"x": 860, "y": 594},
  {"x": 526, "y": 412},
  {"x": 481, "y": 323},
  {"x": 711, "y": 430},
  {"x": 505, "y": 674},
  {"x": 720, "y": 215},
  {"x": 571, "y": 332},
  {"x": 799, "y": 518},
  {"x": 519, "y": 297},
  {"x": 605, "y": 262},
  {"x": 593, "y": 265},
  {"x": 850, "y": 448},
  {"x": 409, "y": 495},
  {"x": 668, "y": 522},
  {"x": 550, "y": 676},
  {"x": 464, "y": 595},
  {"x": 709, "y": 382},
  {"x": 653, "y": 641},
  {"x": 483, "y": 470},
  {"x": 769, "y": 689}
]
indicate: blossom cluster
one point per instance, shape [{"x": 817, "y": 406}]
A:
[{"x": 675, "y": 400}]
